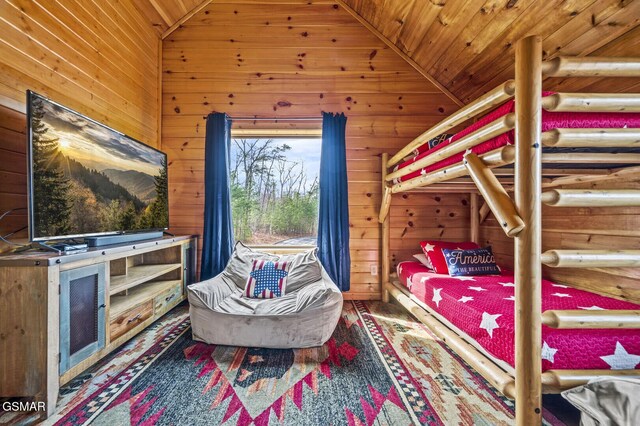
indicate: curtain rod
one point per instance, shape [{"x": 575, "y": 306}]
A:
[{"x": 276, "y": 119}]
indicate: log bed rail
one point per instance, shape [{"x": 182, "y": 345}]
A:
[{"x": 520, "y": 215}]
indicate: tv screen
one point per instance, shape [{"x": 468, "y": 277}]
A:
[{"x": 88, "y": 179}]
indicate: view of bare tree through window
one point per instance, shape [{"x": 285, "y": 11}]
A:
[{"x": 274, "y": 190}]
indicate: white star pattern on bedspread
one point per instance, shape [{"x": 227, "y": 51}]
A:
[
  {"x": 489, "y": 322},
  {"x": 463, "y": 278},
  {"x": 547, "y": 352},
  {"x": 485, "y": 310},
  {"x": 436, "y": 296},
  {"x": 621, "y": 359},
  {"x": 429, "y": 247}
]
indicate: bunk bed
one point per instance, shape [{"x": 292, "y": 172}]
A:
[{"x": 532, "y": 144}]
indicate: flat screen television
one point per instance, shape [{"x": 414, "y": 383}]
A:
[{"x": 86, "y": 179}]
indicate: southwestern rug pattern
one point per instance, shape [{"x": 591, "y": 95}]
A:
[{"x": 379, "y": 367}]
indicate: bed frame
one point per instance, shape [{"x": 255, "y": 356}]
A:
[{"x": 520, "y": 217}]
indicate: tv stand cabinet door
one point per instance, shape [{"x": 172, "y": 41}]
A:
[{"x": 82, "y": 314}]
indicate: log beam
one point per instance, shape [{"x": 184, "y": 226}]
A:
[
  {"x": 496, "y": 158},
  {"x": 591, "y": 319},
  {"x": 589, "y": 138},
  {"x": 485, "y": 103},
  {"x": 483, "y": 134},
  {"x": 591, "y": 258},
  {"x": 592, "y": 102},
  {"x": 592, "y": 198},
  {"x": 495, "y": 195},
  {"x": 528, "y": 246},
  {"x": 591, "y": 66}
]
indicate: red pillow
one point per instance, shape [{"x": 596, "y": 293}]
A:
[{"x": 433, "y": 251}]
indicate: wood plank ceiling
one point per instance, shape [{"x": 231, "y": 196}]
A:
[{"x": 467, "y": 45}]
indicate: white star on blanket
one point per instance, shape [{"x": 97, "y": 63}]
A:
[
  {"x": 560, "y": 285},
  {"x": 436, "y": 296},
  {"x": 477, "y": 288},
  {"x": 513, "y": 298},
  {"x": 463, "y": 278},
  {"x": 591, "y": 308},
  {"x": 465, "y": 299},
  {"x": 429, "y": 247},
  {"x": 548, "y": 352},
  {"x": 621, "y": 359},
  {"x": 507, "y": 284},
  {"x": 561, "y": 295},
  {"x": 489, "y": 322}
]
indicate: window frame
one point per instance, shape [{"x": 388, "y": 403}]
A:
[{"x": 280, "y": 134}]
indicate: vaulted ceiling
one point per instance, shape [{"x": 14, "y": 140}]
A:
[{"x": 467, "y": 45}]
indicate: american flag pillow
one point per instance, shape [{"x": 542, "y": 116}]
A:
[{"x": 267, "y": 279}]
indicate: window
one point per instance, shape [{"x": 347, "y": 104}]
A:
[{"x": 274, "y": 190}]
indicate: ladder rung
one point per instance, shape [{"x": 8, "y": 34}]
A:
[
  {"x": 591, "y": 158},
  {"x": 592, "y": 102},
  {"x": 591, "y": 198},
  {"x": 589, "y": 66},
  {"x": 591, "y": 258},
  {"x": 589, "y": 138},
  {"x": 591, "y": 319}
]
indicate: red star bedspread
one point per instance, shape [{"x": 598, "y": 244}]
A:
[
  {"x": 550, "y": 120},
  {"x": 482, "y": 308}
]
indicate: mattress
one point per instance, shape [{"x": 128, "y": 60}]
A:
[
  {"x": 481, "y": 309},
  {"x": 550, "y": 120}
]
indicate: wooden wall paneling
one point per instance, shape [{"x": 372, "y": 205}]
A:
[
  {"x": 387, "y": 104},
  {"x": 99, "y": 58},
  {"x": 95, "y": 57},
  {"x": 13, "y": 178}
]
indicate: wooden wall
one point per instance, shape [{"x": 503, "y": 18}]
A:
[
  {"x": 600, "y": 228},
  {"x": 100, "y": 58},
  {"x": 284, "y": 60}
]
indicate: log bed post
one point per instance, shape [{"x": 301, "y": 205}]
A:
[
  {"x": 386, "y": 237},
  {"x": 474, "y": 229},
  {"x": 528, "y": 269}
]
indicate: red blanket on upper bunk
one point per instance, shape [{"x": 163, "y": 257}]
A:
[
  {"x": 482, "y": 307},
  {"x": 550, "y": 120}
]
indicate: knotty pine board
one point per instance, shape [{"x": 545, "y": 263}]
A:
[{"x": 323, "y": 60}]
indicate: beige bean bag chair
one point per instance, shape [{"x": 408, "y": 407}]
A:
[{"x": 305, "y": 316}]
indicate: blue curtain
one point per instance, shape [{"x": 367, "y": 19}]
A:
[
  {"x": 217, "y": 239},
  {"x": 333, "y": 223}
]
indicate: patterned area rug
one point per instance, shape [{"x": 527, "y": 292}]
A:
[{"x": 379, "y": 367}]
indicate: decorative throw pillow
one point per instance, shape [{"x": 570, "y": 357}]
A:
[
  {"x": 241, "y": 262},
  {"x": 433, "y": 251},
  {"x": 267, "y": 279},
  {"x": 424, "y": 260},
  {"x": 438, "y": 140},
  {"x": 471, "y": 262}
]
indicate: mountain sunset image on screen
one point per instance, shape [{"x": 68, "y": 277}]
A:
[{"x": 89, "y": 179}]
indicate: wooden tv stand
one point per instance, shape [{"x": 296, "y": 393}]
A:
[{"x": 141, "y": 282}]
